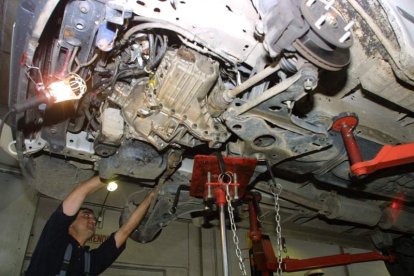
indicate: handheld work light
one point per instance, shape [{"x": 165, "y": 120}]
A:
[{"x": 72, "y": 87}]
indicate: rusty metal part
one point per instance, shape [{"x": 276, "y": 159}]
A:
[{"x": 389, "y": 47}]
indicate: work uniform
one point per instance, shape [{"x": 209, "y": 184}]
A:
[{"x": 48, "y": 257}]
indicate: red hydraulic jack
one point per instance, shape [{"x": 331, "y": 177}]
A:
[
  {"x": 264, "y": 262},
  {"x": 219, "y": 191},
  {"x": 262, "y": 258},
  {"x": 388, "y": 156},
  {"x": 208, "y": 182}
]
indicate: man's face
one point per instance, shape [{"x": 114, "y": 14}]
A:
[{"x": 85, "y": 222}]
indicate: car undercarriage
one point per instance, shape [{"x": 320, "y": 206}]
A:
[{"x": 168, "y": 80}]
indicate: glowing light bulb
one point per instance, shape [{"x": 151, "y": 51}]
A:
[
  {"x": 71, "y": 88},
  {"x": 112, "y": 186}
]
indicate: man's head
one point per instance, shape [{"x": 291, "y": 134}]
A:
[{"x": 84, "y": 225}]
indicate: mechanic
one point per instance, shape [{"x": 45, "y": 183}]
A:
[{"x": 61, "y": 247}]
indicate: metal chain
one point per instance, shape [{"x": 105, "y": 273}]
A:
[
  {"x": 276, "y": 190},
  {"x": 230, "y": 210}
]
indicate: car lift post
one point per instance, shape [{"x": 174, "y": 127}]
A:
[{"x": 388, "y": 156}]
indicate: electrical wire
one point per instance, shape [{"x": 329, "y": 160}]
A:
[{"x": 161, "y": 53}]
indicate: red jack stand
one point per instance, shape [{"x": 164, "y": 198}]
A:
[
  {"x": 206, "y": 169},
  {"x": 221, "y": 190},
  {"x": 388, "y": 156}
]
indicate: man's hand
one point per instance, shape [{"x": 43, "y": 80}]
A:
[
  {"x": 74, "y": 200},
  {"x": 133, "y": 221}
]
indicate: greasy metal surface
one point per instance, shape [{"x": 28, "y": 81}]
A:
[
  {"x": 135, "y": 159},
  {"x": 266, "y": 142},
  {"x": 174, "y": 108},
  {"x": 234, "y": 22}
]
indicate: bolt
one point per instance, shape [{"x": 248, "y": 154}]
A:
[
  {"x": 289, "y": 104},
  {"x": 84, "y": 8},
  {"x": 343, "y": 38},
  {"x": 349, "y": 25},
  {"x": 329, "y": 4},
  {"x": 320, "y": 21},
  {"x": 310, "y": 2}
]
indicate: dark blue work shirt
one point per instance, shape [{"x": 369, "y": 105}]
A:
[{"x": 48, "y": 256}]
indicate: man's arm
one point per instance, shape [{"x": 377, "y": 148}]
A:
[
  {"x": 133, "y": 221},
  {"x": 74, "y": 200}
]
